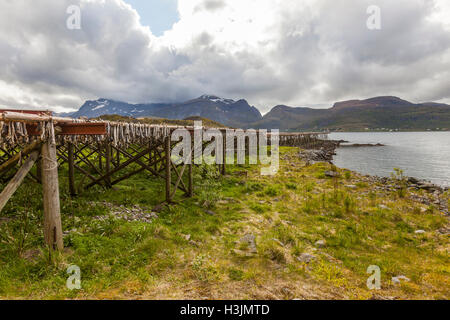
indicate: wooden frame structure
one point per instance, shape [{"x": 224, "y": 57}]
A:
[{"x": 101, "y": 152}]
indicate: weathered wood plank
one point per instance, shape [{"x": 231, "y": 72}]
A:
[
  {"x": 168, "y": 167},
  {"x": 16, "y": 158},
  {"x": 16, "y": 181},
  {"x": 50, "y": 187},
  {"x": 72, "y": 189}
]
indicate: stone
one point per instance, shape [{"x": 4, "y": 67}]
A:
[
  {"x": 331, "y": 174},
  {"x": 351, "y": 186},
  {"x": 158, "y": 208},
  {"x": 430, "y": 187},
  {"x": 193, "y": 243},
  {"x": 206, "y": 204},
  {"x": 250, "y": 240},
  {"x": 306, "y": 258},
  {"x": 278, "y": 241},
  {"x": 444, "y": 231},
  {"x": 211, "y": 213},
  {"x": 320, "y": 243},
  {"x": 413, "y": 180},
  {"x": 244, "y": 254},
  {"x": 419, "y": 232},
  {"x": 382, "y": 206},
  {"x": 187, "y": 237},
  {"x": 397, "y": 280},
  {"x": 241, "y": 173}
]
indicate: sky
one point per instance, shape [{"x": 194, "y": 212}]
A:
[
  {"x": 269, "y": 52},
  {"x": 159, "y": 15}
]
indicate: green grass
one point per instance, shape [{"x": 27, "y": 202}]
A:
[{"x": 188, "y": 253}]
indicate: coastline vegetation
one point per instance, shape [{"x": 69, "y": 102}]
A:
[{"x": 297, "y": 235}]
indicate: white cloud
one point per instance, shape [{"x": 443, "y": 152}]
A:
[{"x": 267, "y": 51}]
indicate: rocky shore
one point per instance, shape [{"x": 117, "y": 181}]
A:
[
  {"x": 359, "y": 145},
  {"x": 433, "y": 195},
  {"x": 325, "y": 153}
]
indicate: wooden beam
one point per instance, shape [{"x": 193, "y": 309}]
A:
[
  {"x": 168, "y": 167},
  {"x": 128, "y": 175},
  {"x": 178, "y": 181},
  {"x": 50, "y": 187},
  {"x": 87, "y": 174},
  {"x": 120, "y": 167},
  {"x": 17, "y": 179},
  {"x": 14, "y": 159},
  {"x": 147, "y": 167},
  {"x": 72, "y": 189},
  {"x": 108, "y": 162},
  {"x": 191, "y": 181},
  {"x": 224, "y": 156},
  {"x": 83, "y": 158}
]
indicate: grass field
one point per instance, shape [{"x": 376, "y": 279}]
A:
[{"x": 243, "y": 236}]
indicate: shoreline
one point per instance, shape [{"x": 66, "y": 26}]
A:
[
  {"x": 427, "y": 184},
  {"x": 388, "y": 131},
  {"x": 390, "y": 184}
]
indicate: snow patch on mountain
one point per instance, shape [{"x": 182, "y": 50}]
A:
[
  {"x": 216, "y": 99},
  {"x": 99, "y": 107}
]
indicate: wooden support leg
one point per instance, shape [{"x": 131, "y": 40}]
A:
[
  {"x": 108, "y": 163},
  {"x": 224, "y": 152},
  {"x": 150, "y": 154},
  {"x": 39, "y": 170},
  {"x": 191, "y": 181},
  {"x": 7, "y": 165},
  {"x": 50, "y": 186},
  {"x": 17, "y": 179},
  {"x": 168, "y": 169},
  {"x": 72, "y": 188},
  {"x": 100, "y": 161}
]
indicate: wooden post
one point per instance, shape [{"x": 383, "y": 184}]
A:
[
  {"x": 191, "y": 181},
  {"x": 17, "y": 179},
  {"x": 168, "y": 169},
  {"x": 155, "y": 156},
  {"x": 224, "y": 152},
  {"x": 100, "y": 162},
  {"x": 150, "y": 153},
  {"x": 50, "y": 186},
  {"x": 72, "y": 188},
  {"x": 39, "y": 170},
  {"x": 108, "y": 162}
]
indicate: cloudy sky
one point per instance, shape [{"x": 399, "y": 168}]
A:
[{"x": 293, "y": 52}]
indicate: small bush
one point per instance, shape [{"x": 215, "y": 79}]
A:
[
  {"x": 272, "y": 191},
  {"x": 203, "y": 268},
  {"x": 291, "y": 186},
  {"x": 235, "y": 274}
]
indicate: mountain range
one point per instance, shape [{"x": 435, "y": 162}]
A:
[
  {"x": 387, "y": 113},
  {"x": 229, "y": 112}
]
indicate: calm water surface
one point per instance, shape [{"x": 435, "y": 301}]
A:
[{"x": 424, "y": 155}]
